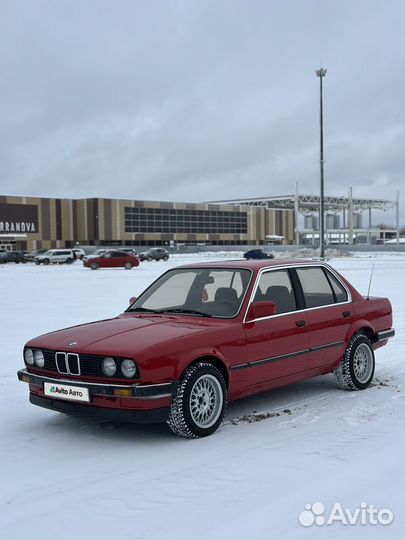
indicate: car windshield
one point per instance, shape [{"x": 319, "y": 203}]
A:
[{"x": 200, "y": 292}]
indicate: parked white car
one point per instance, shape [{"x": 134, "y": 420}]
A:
[
  {"x": 79, "y": 253},
  {"x": 55, "y": 256}
]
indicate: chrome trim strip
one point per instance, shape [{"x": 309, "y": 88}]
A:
[
  {"x": 320, "y": 347},
  {"x": 239, "y": 366},
  {"x": 284, "y": 356},
  {"x": 152, "y": 385},
  {"x": 274, "y": 269},
  {"x": 276, "y": 358},
  {"x": 74, "y": 382}
]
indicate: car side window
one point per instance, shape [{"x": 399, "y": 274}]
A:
[
  {"x": 315, "y": 286},
  {"x": 339, "y": 291},
  {"x": 275, "y": 286}
]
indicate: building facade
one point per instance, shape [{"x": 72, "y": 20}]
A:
[{"x": 35, "y": 223}]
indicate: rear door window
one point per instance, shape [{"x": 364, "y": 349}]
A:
[{"x": 316, "y": 288}]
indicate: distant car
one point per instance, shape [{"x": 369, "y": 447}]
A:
[
  {"x": 79, "y": 253},
  {"x": 55, "y": 256},
  {"x": 12, "y": 256},
  {"x": 257, "y": 254},
  {"x": 154, "y": 254},
  {"x": 111, "y": 259},
  {"x": 205, "y": 334},
  {"x": 29, "y": 257}
]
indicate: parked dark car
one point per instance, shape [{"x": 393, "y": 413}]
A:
[
  {"x": 154, "y": 254},
  {"x": 111, "y": 259},
  {"x": 257, "y": 254},
  {"x": 29, "y": 257},
  {"x": 12, "y": 256}
]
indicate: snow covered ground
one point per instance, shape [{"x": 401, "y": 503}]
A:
[{"x": 64, "y": 478}]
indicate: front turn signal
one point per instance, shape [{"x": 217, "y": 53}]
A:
[{"x": 122, "y": 392}]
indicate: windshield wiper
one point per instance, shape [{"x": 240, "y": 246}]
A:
[
  {"x": 144, "y": 310},
  {"x": 184, "y": 310}
]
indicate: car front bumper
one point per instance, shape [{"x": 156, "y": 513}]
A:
[
  {"x": 137, "y": 402},
  {"x": 136, "y": 390}
]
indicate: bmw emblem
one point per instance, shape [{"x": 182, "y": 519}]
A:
[{"x": 73, "y": 344}]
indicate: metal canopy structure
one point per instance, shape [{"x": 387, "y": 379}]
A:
[{"x": 309, "y": 204}]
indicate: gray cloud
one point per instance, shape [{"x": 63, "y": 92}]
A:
[{"x": 200, "y": 100}]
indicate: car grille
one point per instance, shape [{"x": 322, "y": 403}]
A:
[{"x": 88, "y": 364}]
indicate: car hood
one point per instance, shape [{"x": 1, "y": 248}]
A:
[{"x": 124, "y": 335}]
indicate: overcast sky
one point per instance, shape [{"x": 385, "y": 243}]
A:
[{"x": 200, "y": 99}]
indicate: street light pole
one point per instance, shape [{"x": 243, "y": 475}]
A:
[{"x": 321, "y": 73}]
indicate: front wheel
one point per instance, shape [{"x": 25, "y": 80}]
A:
[
  {"x": 69, "y": 261},
  {"x": 46, "y": 261},
  {"x": 199, "y": 405},
  {"x": 356, "y": 370},
  {"x": 128, "y": 266}
]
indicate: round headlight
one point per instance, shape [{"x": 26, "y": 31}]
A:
[
  {"x": 29, "y": 357},
  {"x": 128, "y": 368},
  {"x": 109, "y": 366},
  {"x": 39, "y": 359}
]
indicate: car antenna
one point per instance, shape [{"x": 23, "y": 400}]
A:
[{"x": 369, "y": 285}]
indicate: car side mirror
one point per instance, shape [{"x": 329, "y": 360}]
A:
[
  {"x": 132, "y": 300},
  {"x": 260, "y": 310}
]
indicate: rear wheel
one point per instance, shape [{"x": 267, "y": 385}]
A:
[
  {"x": 128, "y": 266},
  {"x": 94, "y": 266},
  {"x": 199, "y": 405},
  {"x": 356, "y": 370},
  {"x": 150, "y": 259}
]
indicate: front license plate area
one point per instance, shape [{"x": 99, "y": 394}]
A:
[{"x": 65, "y": 391}]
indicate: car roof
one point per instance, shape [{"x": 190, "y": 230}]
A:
[{"x": 253, "y": 265}]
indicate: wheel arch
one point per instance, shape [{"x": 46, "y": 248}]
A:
[
  {"x": 362, "y": 326},
  {"x": 215, "y": 361}
]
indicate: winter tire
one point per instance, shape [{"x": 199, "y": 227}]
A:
[
  {"x": 94, "y": 266},
  {"x": 356, "y": 370},
  {"x": 199, "y": 405}
]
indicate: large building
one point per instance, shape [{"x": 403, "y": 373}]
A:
[{"x": 34, "y": 223}]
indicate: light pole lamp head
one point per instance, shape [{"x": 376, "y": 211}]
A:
[{"x": 320, "y": 72}]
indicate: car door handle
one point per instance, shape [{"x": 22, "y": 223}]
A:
[
  {"x": 300, "y": 323},
  {"x": 346, "y": 313}
]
